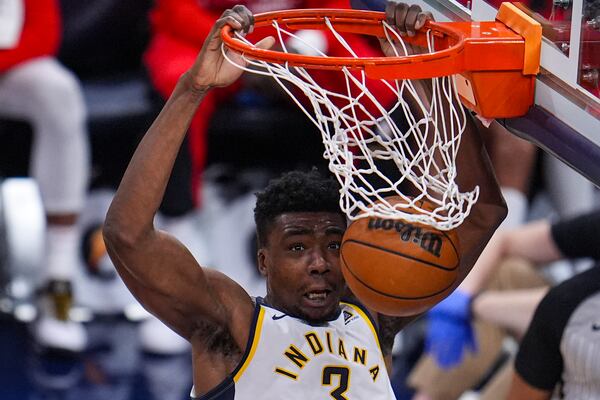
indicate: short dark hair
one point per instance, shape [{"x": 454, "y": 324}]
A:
[{"x": 295, "y": 191}]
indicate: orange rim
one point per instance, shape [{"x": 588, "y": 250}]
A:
[
  {"x": 467, "y": 46},
  {"x": 443, "y": 62},
  {"x": 498, "y": 60}
]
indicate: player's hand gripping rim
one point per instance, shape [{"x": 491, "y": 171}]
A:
[
  {"x": 408, "y": 19},
  {"x": 211, "y": 69}
]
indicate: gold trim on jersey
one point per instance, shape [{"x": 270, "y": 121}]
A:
[
  {"x": 254, "y": 346},
  {"x": 368, "y": 320}
]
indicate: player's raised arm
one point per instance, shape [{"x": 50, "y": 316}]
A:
[
  {"x": 473, "y": 166},
  {"x": 473, "y": 170},
  {"x": 158, "y": 269}
]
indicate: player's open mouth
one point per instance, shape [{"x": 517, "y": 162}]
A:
[{"x": 317, "y": 296}]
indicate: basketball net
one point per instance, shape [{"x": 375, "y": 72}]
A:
[{"x": 359, "y": 139}]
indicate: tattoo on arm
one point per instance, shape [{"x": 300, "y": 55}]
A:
[{"x": 388, "y": 328}]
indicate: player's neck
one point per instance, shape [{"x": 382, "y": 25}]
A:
[{"x": 273, "y": 303}]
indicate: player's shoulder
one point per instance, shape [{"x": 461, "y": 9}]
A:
[
  {"x": 236, "y": 302},
  {"x": 223, "y": 284},
  {"x": 353, "y": 305},
  {"x": 352, "y": 310}
]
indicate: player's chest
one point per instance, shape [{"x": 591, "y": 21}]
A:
[
  {"x": 336, "y": 361},
  {"x": 307, "y": 350}
]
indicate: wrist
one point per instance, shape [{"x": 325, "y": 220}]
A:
[{"x": 188, "y": 84}]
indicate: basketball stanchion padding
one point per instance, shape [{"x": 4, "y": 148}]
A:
[{"x": 399, "y": 268}]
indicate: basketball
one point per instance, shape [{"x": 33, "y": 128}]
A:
[{"x": 396, "y": 267}]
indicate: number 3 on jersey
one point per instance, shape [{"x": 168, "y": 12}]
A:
[{"x": 344, "y": 379}]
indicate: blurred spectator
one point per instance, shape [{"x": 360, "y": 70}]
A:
[
  {"x": 36, "y": 88},
  {"x": 451, "y": 337},
  {"x": 459, "y": 355},
  {"x": 103, "y": 43},
  {"x": 469, "y": 351}
]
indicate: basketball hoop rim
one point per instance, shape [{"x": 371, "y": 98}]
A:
[{"x": 445, "y": 62}]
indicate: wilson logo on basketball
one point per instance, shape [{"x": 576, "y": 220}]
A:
[{"x": 428, "y": 241}]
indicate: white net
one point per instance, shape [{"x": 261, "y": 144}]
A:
[{"x": 382, "y": 145}]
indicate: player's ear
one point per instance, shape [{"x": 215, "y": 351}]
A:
[{"x": 263, "y": 261}]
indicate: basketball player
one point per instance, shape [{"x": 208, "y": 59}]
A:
[{"x": 302, "y": 341}]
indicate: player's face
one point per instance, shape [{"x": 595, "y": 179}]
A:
[{"x": 302, "y": 264}]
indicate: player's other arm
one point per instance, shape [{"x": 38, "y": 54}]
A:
[
  {"x": 473, "y": 168},
  {"x": 159, "y": 270},
  {"x": 472, "y": 164}
]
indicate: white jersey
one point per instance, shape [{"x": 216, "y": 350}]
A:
[{"x": 291, "y": 359}]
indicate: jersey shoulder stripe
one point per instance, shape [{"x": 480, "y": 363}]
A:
[
  {"x": 366, "y": 315},
  {"x": 225, "y": 389},
  {"x": 255, "y": 331}
]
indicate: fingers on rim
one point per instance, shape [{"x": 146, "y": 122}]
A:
[
  {"x": 411, "y": 19},
  {"x": 239, "y": 17},
  {"x": 422, "y": 18},
  {"x": 230, "y": 18},
  {"x": 389, "y": 12},
  {"x": 247, "y": 17},
  {"x": 400, "y": 12}
]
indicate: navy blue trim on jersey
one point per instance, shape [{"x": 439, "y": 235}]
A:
[
  {"x": 226, "y": 389},
  {"x": 223, "y": 391}
]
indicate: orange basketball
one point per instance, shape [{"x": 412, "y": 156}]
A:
[{"x": 396, "y": 267}]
